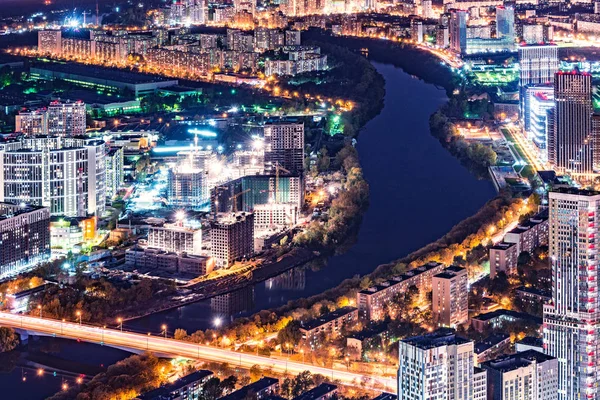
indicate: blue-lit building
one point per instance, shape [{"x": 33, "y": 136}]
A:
[
  {"x": 505, "y": 22},
  {"x": 538, "y": 100},
  {"x": 458, "y": 31}
]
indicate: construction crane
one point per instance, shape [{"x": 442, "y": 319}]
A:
[
  {"x": 234, "y": 199},
  {"x": 277, "y": 169}
]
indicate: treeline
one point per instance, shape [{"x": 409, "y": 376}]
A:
[{"x": 124, "y": 380}]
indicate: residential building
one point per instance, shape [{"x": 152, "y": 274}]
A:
[
  {"x": 505, "y": 22},
  {"x": 275, "y": 216},
  {"x": 491, "y": 347},
  {"x": 114, "y": 171},
  {"x": 479, "y": 384},
  {"x": 50, "y": 42},
  {"x": 329, "y": 324},
  {"x": 533, "y": 297},
  {"x": 498, "y": 318},
  {"x": 322, "y": 392},
  {"x": 572, "y": 319},
  {"x": 373, "y": 301},
  {"x": 522, "y": 376},
  {"x": 437, "y": 366},
  {"x": 66, "y": 118},
  {"x": 570, "y": 148},
  {"x": 450, "y": 301},
  {"x": 232, "y": 238},
  {"x": 65, "y": 174},
  {"x": 370, "y": 339},
  {"x": 24, "y": 237},
  {"x": 530, "y": 234},
  {"x": 530, "y": 343},
  {"x": 188, "y": 387},
  {"x": 458, "y": 31},
  {"x": 31, "y": 122},
  {"x": 150, "y": 258},
  {"x": 537, "y": 65},
  {"x": 284, "y": 147},
  {"x": 187, "y": 187},
  {"x": 175, "y": 238},
  {"x": 503, "y": 258},
  {"x": 260, "y": 389},
  {"x": 538, "y": 100}
]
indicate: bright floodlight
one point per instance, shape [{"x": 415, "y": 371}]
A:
[
  {"x": 180, "y": 215},
  {"x": 257, "y": 144},
  {"x": 217, "y": 322}
]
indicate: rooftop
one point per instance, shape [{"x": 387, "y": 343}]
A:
[
  {"x": 386, "y": 396},
  {"x": 164, "y": 391},
  {"x": 317, "y": 392},
  {"x": 11, "y": 210},
  {"x": 531, "y": 341},
  {"x": 490, "y": 342},
  {"x": 400, "y": 278},
  {"x": 503, "y": 246},
  {"x": 439, "y": 338},
  {"x": 535, "y": 291},
  {"x": 255, "y": 387},
  {"x": 507, "y": 313},
  {"x": 516, "y": 361},
  {"x": 575, "y": 191},
  {"x": 325, "y": 318}
]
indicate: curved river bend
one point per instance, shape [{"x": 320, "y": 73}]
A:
[{"x": 418, "y": 193}]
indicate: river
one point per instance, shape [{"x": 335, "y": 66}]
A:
[{"x": 418, "y": 193}]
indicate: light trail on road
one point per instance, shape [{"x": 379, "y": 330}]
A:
[{"x": 177, "y": 348}]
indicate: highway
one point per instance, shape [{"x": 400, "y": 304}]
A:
[{"x": 176, "y": 348}]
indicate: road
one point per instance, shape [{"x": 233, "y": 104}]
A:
[{"x": 178, "y": 348}]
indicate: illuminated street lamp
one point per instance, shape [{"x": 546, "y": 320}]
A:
[
  {"x": 217, "y": 322},
  {"x": 61, "y": 325},
  {"x": 164, "y": 330},
  {"x": 40, "y": 308},
  {"x": 78, "y": 313},
  {"x": 120, "y": 321}
]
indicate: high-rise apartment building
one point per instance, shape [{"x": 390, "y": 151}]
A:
[
  {"x": 66, "y": 118},
  {"x": 427, "y": 9},
  {"x": 24, "y": 237},
  {"x": 537, "y": 63},
  {"x": 450, "y": 297},
  {"x": 522, "y": 376},
  {"x": 284, "y": 146},
  {"x": 32, "y": 122},
  {"x": 505, "y": 23},
  {"x": 187, "y": 185},
  {"x": 50, "y": 42},
  {"x": 114, "y": 171},
  {"x": 572, "y": 318},
  {"x": 66, "y": 175},
  {"x": 437, "y": 366},
  {"x": 458, "y": 31},
  {"x": 538, "y": 100},
  {"x": 232, "y": 238},
  {"x": 571, "y": 147},
  {"x": 175, "y": 238}
]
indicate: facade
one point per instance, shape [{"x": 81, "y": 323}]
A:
[
  {"x": 372, "y": 301},
  {"x": 114, "y": 171},
  {"x": 458, "y": 31},
  {"x": 261, "y": 389},
  {"x": 50, "y": 42},
  {"x": 437, "y": 366},
  {"x": 66, "y": 118},
  {"x": 570, "y": 149},
  {"x": 272, "y": 216},
  {"x": 538, "y": 100},
  {"x": 505, "y": 23},
  {"x": 329, "y": 324},
  {"x": 522, "y": 376},
  {"x": 31, "y": 123},
  {"x": 284, "y": 147},
  {"x": 572, "y": 319},
  {"x": 232, "y": 238},
  {"x": 450, "y": 299},
  {"x": 175, "y": 238},
  {"x": 503, "y": 258},
  {"x": 479, "y": 384},
  {"x": 24, "y": 237},
  {"x": 168, "y": 261},
  {"x": 65, "y": 174},
  {"x": 529, "y": 234},
  {"x": 537, "y": 65}
]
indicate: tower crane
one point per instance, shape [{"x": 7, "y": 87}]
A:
[
  {"x": 277, "y": 169},
  {"x": 234, "y": 199}
]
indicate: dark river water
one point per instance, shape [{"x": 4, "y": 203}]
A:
[{"x": 418, "y": 193}]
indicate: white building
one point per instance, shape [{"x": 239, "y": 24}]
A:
[
  {"x": 437, "y": 366},
  {"x": 572, "y": 318},
  {"x": 114, "y": 171},
  {"x": 66, "y": 175},
  {"x": 450, "y": 300},
  {"x": 50, "y": 42},
  {"x": 31, "y": 123},
  {"x": 175, "y": 238},
  {"x": 522, "y": 376},
  {"x": 66, "y": 118},
  {"x": 275, "y": 216}
]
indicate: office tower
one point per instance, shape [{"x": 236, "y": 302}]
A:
[
  {"x": 66, "y": 175},
  {"x": 232, "y": 238},
  {"x": 436, "y": 366},
  {"x": 458, "y": 31},
  {"x": 114, "y": 171},
  {"x": 505, "y": 23},
  {"x": 537, "y": 67},
  {"x": 175, "y": 238},
  {"x": 50, "y": 42},
  {"x": 284, "y": 146},
  {"x": 522, "y": 376},
  {"x": 66, "y": 119},
  {"x": 572, "y": 318},
  {"x": 450, "y": 297},
  {"x": 538, "y": 100},
  {"x": 427, "y": 9},
  {"x": 31, "y": 123},
  {"x": 25, "y": 237},
  {"x": 572, "y": 134}
]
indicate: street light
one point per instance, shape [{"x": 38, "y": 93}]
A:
[
  {"x": 217, "y": 322},
  {"x": 120, "y": 321},
  {"x": 78, "y": 313},
  {"x": 164, "y": 329},
  {"x": 40, "y": 308},
  {"x": 61, "y": 326},
  {"x": 103, "y": 328}
]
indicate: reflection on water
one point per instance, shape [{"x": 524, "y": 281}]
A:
[
  {"x": 232, "y": 304},
  {"x": 292, "y": 280}
]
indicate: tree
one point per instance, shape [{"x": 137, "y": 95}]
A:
[
  {"x": 290, "y": 334},
  {"x": 180, "y": 334},
  {"x": 8, "y": 339},
  {"x": 255, "y": 373},
  {"x": 212, "y": 389},
  {"x": 228, "y": 384},
  {"x": 303, "y": 382}
]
